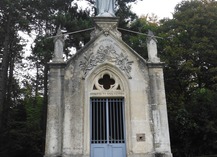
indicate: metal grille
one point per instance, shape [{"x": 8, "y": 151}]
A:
[{"x": 107, "y": 120}]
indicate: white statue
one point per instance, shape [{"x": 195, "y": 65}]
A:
[
  {"x": 152, "y": 48},
  {"x": 105, "y": 8},
  {"x": 58, "y": 46}
]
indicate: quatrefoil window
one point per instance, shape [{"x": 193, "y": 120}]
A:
[{"x": 106, "y": 81}]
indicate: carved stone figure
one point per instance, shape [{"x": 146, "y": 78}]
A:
[
  {"x": 152, "y": 47},
  {"x": 105, "y": 8},
  {"x": 58, "y": 46}
]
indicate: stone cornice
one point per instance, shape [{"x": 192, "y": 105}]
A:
[
  {"x": 155, "y": 65},
  {"x": 57, "y": 64}
]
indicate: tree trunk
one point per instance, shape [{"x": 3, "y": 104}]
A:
[
  {"x": 4, "y": 77},
  {"x": 10, "y": 83}
]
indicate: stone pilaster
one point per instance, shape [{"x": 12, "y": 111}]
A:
[
  {"x": 54, "y": 111},
  {"x": 159, "y": 111},
  {"x": 53, "y": 145},
  {"x": 158, "y": 100}
]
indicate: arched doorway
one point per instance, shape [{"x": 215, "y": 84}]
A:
[{"x": 107, "y": 116}]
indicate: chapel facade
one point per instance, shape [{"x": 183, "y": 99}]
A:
[{"x": 107, "y": 101}]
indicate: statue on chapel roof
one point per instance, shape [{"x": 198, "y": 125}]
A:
[{"x": 105, "y": 8}]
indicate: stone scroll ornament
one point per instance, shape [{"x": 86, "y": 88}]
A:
[{"x": 105, "y": 53}]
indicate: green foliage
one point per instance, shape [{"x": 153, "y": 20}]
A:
[
  {"x": 124, "y": 13},
  {"x": 194, "y": 125},
  {"x": 25, "y": 135},
  {"x": 189, "y": 50},
  {"x": 43, "y": 50},
  {"x": 138, "y": 42},
  {"x": 12, "y": 20},
  {"x": 203, "y": 110}
]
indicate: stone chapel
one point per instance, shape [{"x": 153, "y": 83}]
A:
[{"x": 107, "y": 101}]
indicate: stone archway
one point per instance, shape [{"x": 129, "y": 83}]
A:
[{"x": 106, "y": 82}]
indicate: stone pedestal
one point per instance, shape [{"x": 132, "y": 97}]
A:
[
  {"x": 106, "y": 25},
  {"x": 54, "y": 111},
  {"x": 159, "y": 110}
]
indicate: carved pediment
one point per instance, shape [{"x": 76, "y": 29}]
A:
[{"x": 105, "y": 54}]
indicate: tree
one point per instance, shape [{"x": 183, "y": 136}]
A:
[
  {"x": 12, "y": 19},
  {"x": 190, "y": 36},
  {"x": 189, "y": 50},
  {"x": 138, "y": 41}
]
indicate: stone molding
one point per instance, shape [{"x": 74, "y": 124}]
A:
[
  {"x": 155, "y": 65},
  {"x": 57, "y": 64}
]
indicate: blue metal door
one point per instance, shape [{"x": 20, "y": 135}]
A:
[{"x": 107, "y": 127}]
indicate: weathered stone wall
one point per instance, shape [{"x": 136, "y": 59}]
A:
[
  {"x": 138, "y": 81},
  {"x": 73, "y": 110},
  {"x": 106, "y": 52}
]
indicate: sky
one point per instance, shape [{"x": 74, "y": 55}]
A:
[{"x": 161, "y": 8}]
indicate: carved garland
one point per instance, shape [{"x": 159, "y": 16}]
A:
[{"x": 106, "y": 53}]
